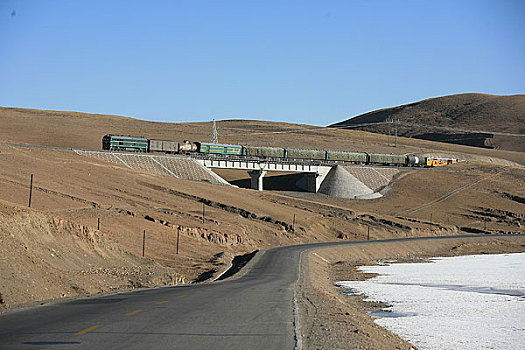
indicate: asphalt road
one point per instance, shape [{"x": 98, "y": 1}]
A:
[{"x": 255, "y": 311}]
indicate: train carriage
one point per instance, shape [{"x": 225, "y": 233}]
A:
[
  {"x": 355, "y": 157},
  {"x": 217, "y": 148},
  {"x": 297, "y": 153},
  {"x": 266, "y": 152},
  {"x": 163, "y": 146},
  {"x": 387, "y": 159}
]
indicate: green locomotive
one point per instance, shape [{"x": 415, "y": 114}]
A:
[{"x": 125, "y": 143}]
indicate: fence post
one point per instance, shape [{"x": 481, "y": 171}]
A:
[
  {"x": 178, "y": 233},
  {"x": 30, "y": 190},
  {"x": 144, "y": 243}
]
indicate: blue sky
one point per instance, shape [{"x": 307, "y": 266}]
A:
[{"x": 312, "y": 62}]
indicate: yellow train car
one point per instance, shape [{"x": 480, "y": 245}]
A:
[{"x": 433, "y": 161}]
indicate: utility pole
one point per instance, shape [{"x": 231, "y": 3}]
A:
[
  {"x": 30, "y": 190},
  {"x": 395, "y": 128},
  {"x": 388, "y": 121},
  {"x": 214, "y": 133}
]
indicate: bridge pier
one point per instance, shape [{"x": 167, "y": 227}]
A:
[{"x": 257, "y": 179}]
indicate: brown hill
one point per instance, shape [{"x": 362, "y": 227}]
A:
[
  {"x": 57, "y": 249},
  {"x": 469, "y": 119},
  {"x": 72, "y": 191},
  {"x": 83, "y": 130}
]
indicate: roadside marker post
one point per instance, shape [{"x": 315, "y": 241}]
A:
[
  {"x": 293, "y": 224},
  {"x": 98, "y": 224},
  {"x": 368, "y": 233},
  {"x": 203, "y": 212}
]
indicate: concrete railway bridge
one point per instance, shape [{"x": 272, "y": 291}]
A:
[{"x": 315, "y": 173}]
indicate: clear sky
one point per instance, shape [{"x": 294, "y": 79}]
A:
[{"x": 312, "y": 62}]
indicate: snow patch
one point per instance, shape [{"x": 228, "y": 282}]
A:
[{"x": 467, "y": 302}]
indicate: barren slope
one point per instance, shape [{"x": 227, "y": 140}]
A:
[
  {"x": 470, "y": 119},
  {"x": 71, "y": 191}
]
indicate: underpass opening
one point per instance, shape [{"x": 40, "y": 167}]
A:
[{"x": 272, "y": 180}]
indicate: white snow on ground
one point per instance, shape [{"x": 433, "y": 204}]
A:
[{"x": 466, "y": 302}]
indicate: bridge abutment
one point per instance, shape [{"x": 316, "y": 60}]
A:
[{"x": 314, "y": 180}]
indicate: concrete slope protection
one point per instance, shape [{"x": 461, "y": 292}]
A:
[
  {"x": 254, "y": 311},
  {"x": 340, "y": 183}
]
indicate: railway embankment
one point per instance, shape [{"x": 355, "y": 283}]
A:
[
  {"x": 180, "y": 167},
  {"x": 349, "y": 182}
]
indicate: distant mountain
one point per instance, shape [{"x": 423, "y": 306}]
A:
[{"x": 469, "y": 119}]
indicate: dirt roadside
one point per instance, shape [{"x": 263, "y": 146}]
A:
[{"x": 330, "y": 319}]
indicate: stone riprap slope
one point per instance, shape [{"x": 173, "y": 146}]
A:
[
  {"x": 176, "y": 166},
  {"x": 373, "y": 178}
]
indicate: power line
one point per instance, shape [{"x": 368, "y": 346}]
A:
[
  {"x": 391, "y": 122},
  {"x": 269, "y": 132},
  {"x": 424, "y": 126}
]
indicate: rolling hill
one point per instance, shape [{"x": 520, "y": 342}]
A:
[
  {"x": 478, "y": 120},
  {"x": 96, "y": 226}
]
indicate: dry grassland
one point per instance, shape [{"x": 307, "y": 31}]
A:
[{"x": 54, "y": 249}]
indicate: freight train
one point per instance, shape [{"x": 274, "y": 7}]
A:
[{"x": 141, "y": 144}]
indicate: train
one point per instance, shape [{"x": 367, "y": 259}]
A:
[{"x": 140, "y": 144}]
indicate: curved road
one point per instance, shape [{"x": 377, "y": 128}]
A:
[{"x": 255, "y": 311}]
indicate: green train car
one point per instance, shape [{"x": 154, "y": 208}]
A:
[
  {"x": 387, "y": 159},
  {"x": 266, "y": 152},
  {"x": 356, "y": 157},
  {"x": 217, "y": 148},
  {"x": 124, "y": 143},
  {"x": 296, "y": 153}
]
